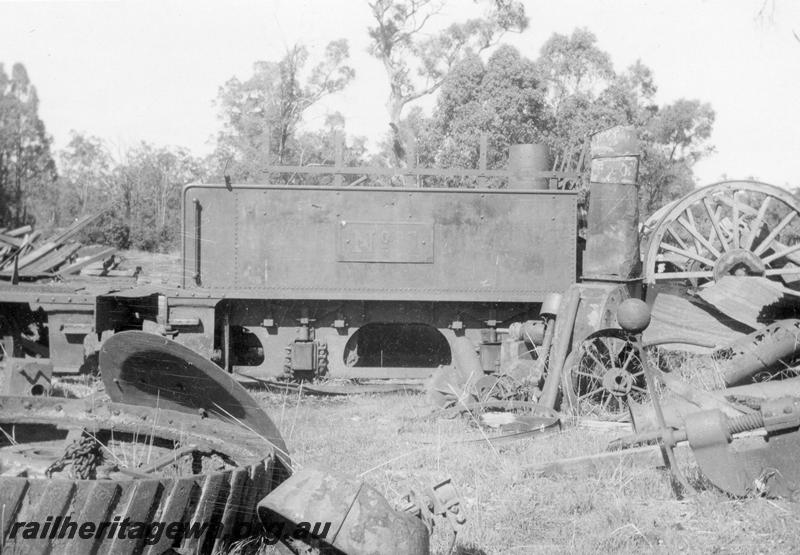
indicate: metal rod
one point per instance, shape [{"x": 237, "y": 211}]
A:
[
  {"x": 665, "y": 440},
  {"x": 197, "y": 240},
  {"x": 445, "y": 172}
]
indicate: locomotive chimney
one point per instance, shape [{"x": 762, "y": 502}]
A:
[
  {"x": 612, "y": 242},
  {"x": 524, "y": 163}
]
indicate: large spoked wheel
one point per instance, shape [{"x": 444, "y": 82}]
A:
[
  {"x": 603, "y": 373},
  {"x": 730, "y": 228}
]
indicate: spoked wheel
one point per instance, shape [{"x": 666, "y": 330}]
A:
[
  {"x": 605, "y": 371},
  {"x": 730, "y": 228}
]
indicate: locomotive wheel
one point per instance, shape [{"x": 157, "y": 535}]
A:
[
  {"x": 199, "y": 470},
  {"x": 602, "y": 373},
  {"x": 729, "y": 228}
]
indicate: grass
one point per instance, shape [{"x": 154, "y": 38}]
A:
[{"x": 391, "y": 442}]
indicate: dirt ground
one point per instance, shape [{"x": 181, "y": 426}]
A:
[{"x": 391, "y": 442}]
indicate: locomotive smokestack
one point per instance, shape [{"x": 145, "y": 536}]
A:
[
  {"x": 524, "y": 163},
  {"x": 612, "y": 243}
]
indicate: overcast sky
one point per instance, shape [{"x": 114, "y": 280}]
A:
[{"x": 132, "y": 70}]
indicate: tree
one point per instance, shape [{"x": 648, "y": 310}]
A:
[
  {"x": 149, "y": 184},
  {"x": 503, "y": 99},
  {"x": 27, "y": 170},
  {"x": 570, "y": 92},
  {"x": 86, "y": 174},
  {"x": 574, "y": 66},
  {"x": 261, "y": 114},
  {"x": 675, "y": 138},
  {"x": 416, "y": 60},
  {"x": 586, "y": 95}
]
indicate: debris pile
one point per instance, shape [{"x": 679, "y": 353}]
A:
[{"x": 25, "y": 254}]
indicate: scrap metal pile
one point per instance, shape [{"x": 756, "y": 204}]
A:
[
  {"x": 187, "y": 447},
  {"x": 715, "y": 367}
]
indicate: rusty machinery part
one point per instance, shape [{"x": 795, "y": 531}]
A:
[
  {"x": 287, "y": 360},
  {"x": 602, "y": 373},
  {"x": 729, "y": 228},
  {"x": 549, "y": 311},
  {"x": 148, "y": 370},
  {"x": 508, "y": 405},
  {"x": 636, "y": 317},
  {"x": 767, "y": 354},
  {"x": 322, "y": 360},
  {"x": 455, "y": 383},
  {"x": 319, "y": 362},
  {"x": 26, "y": 376},
  {"x": 563, "y": 329},
  {"x": 83, "y": 454},
  {"x": 150, "y": 465},
  {"x": 633, "y": 315},
  {"x": 598, "y": 307},
  {"x": 332, "y": 389},
  {"x": 753, "y": 464},
  {"x": 361, "y": 520},
  {"x": 530, "y": 331},
  {"x": 441, "y": 500}
]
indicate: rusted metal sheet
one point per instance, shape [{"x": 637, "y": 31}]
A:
[
  {"x": 288, "y": 242},
  {"x": 348, "y": 514},
  {"x": 742, "y": 298},
  {"x": 612, "y": 244},
  {"x": 678, "y": 322},
  {"x": 145, "y": 369}
]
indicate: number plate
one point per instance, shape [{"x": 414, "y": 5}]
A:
[{"x": 407, "y": 242}]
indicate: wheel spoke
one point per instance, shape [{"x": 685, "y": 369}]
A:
[
  {"x": 684, "y": 275},
  {"x": 628, "y": 360},
  {"x": 755, "y": 225},
  {"x": 589, "y": 395},
  {"x": 688, "y": 226},
  {"x": 595, "y": 359},
  {"x": 688, "y": 254},
  {"x": 735, "y": 224},
  {"x": 774, "y": 233},
  {"x": 743, "y": 208},
  {"x": 681, "y": 243},
  {"x": 782, "y": 253},
  {"x": 637, "y": 388},
  {"x": 715, "y": 223},
  {"x": 786, "y": 270}
]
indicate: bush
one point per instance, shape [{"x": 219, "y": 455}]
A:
[{"x": 110, "y": 229}]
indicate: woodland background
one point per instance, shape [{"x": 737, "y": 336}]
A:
[{"x": 480, "y": 86}]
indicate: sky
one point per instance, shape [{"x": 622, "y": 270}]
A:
[{"x": 127, "y": 71}]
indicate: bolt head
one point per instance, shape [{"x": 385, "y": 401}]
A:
[{"x": 633, "y": 315}]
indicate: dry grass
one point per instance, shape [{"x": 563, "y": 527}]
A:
[{"x": 388, "y": 440}]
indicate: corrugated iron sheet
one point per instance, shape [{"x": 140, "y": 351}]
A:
[{"x": 743, "y": 298}]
